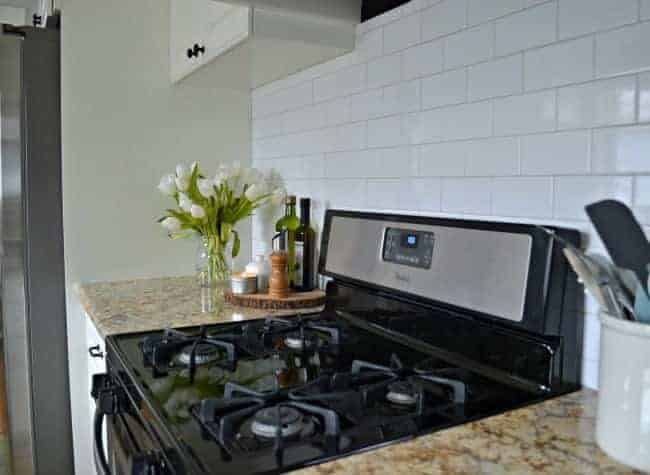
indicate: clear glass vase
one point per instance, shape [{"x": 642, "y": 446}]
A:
[{"x": 213, "y": 269}]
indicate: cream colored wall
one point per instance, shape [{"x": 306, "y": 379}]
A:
[{"x": 124, "y": 125}]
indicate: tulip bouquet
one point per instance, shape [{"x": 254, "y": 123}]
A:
[{"x": 211, "y": 207}]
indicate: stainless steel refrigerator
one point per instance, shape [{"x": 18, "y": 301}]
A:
[{"x": 32, "y": 265}]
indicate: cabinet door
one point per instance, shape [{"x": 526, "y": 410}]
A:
[
  {"x": 96, "y": 364},
  {"x": 187, "y": 27},
  {"x": 229, "y": 26},
  {"x": 211, "y": 27}
]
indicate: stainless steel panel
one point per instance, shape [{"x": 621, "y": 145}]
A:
[
  {"x": 14, "y": 304},
  {"x": 485, "y": 271},
  {"x": 33, "y": 286}
]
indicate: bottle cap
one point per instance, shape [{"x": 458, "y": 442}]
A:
[{"x": 305, "y": 202}]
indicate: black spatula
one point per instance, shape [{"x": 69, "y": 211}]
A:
[{"x": 622, "y": 235}]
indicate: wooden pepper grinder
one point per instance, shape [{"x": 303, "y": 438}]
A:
[{"x": 279, "y": 280}]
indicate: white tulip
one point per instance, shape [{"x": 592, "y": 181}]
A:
[
  {"x": 193, "y": 166},
  {"x": 171, "y": 224},
  {"x": 253, "y": 192},
  {"x": 184, "y": 202},
  {"x": 183, "y": 182},
  {"x": 167, "y": 185},
  {"x": 197, "y": 211},
  {"x": 182, "y": 170},
  {"x": 206, "y": 187}
]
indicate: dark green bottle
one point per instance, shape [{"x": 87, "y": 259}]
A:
[
  {"x": 305, "y": 249},
  {"x": 288, "y": 225}
]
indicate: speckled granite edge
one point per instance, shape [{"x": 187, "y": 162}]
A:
[
  {"x": 132, "y": 306},
  {"x": 553, "y": 437}
]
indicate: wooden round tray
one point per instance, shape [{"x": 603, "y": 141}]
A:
[{"x": 295, "y": 300}]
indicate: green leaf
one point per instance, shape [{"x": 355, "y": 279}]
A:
[{"x": 236, "y": 245}]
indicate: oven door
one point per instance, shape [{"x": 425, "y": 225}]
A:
[{"x": 131, "y": 449}]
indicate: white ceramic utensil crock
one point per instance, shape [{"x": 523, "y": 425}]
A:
[{"x": 623, "y": 424}]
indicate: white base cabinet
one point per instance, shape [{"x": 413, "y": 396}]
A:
[{"x": 96, "y": 364}]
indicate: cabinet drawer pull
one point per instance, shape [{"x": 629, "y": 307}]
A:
[{"x": 95, "y": 352}]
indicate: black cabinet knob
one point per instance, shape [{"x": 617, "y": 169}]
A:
[
  {"x": 95, "y": 352},
  {"x": 195, "y": 51},
  {"x": 37, "y": 20}
]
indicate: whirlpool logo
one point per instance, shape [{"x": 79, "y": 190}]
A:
[{"x": 402, "y": 278}]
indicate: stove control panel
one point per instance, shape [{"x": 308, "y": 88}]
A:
[{"x": 408, "y": 247}]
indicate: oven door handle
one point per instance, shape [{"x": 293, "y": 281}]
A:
[{"x": 101, "y": 463}]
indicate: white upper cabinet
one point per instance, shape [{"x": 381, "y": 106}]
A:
[
  {"x": 201, "y": 30},
  {"x": 247, "y": 43}
]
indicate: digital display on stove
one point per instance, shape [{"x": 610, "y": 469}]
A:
[
  {"x": 408, "y": 247},
  {"x": 410, "y": 241}
]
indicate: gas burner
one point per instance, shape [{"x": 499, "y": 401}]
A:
[
  {"x": 282, "y": 420},
  {"x": 402, "y": 393},
  {"x": 297, "y": 342},
  {"x": 204, "y": 354}
]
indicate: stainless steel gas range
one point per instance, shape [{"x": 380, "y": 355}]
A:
[{"x": 429, "y": 323}]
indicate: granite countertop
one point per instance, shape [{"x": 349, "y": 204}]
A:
[
  {"x": 132, "y": 306},
  {"x": 553, "y": 437}
]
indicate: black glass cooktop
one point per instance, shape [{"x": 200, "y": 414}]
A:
[{"x": 271, "y": 395}]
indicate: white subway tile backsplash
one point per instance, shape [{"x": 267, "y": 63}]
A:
[
  {"x": 386, "y": 132},
  {"x": 579, "y": 17},
  {"x": 422, "y": 60},
  {"x": 479, "y": 11},
  {"x": 383, "y": 127},
  {"x": 469, "y": 46},
  {"x": 642, "y": 191},
  {"x": 523, "y": 197},
  {"x": 350, "y": 137},
  {"x": 347, "y": 164},
  {"x": 621, "y": 150},
  {"x": 306, "y": 118},
  {"x": 346, "y": 193},
  {"x": 572, "y": 194},
  {"x": 466, "y": 195},
  {"x": 284, "y": 100},
  {"x": 466, "y": 121},
  {"x": 607, "y": 102},
  {"x": 385, "y": 194},
  {"x": 559, "y": 64},
  {"x": 443, "y": 159},
  {"x": 645, "y": 9},
  {"x": 337, "y": 111},
  {"x": 501, "y": 77},
  {"x": 367, "y": 105},
  {"x": 370, "y": 44},
  {"x": 525, "y": 114},
  {"x": 426, "y": 192},
  {"x": 644, "y": 97},
  {"x": 443, "y": 18},
  {"x": 493, "y": 157},
  {"x": 444, "y": 89},
  {"x": 526, "y": 29},
  {"x": 402, "y": 34},
  {"x": 385, "y": 70},
  {"x": 622, "y": 51},
  {"x": 559, "y": 153},
  {"x": 341, "y": 83},
  {"x": 401, "y": 98}
]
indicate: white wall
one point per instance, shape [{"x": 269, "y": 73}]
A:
[
  {"x": 12, "y": 15},
  {"x": 516, "y": 110},
  {"x": 124, "y": 125}
]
